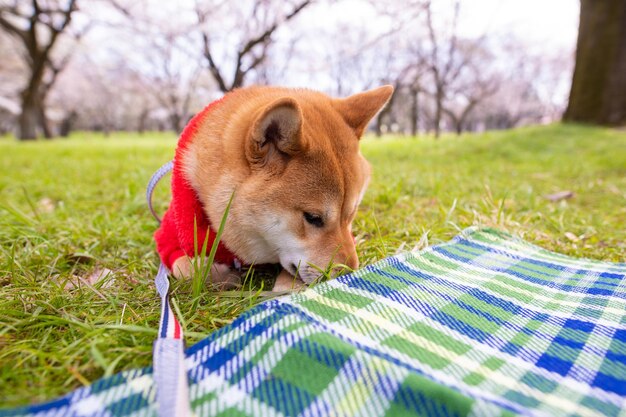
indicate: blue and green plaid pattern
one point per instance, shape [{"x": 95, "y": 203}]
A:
[{"x": 485, "y": 325}]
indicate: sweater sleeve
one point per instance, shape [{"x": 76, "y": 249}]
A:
[
  {"x": 189, "y": 217},
  {"x": 182, "y": 220},
  {"x": 167, "y": 241},
  {"x": 185, "y": 223}
]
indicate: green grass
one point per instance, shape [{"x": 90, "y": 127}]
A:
[{"x": 69, "y": 207}]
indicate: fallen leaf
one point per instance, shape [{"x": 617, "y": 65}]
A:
[
  {"x": 91, "y": 279},
  {"x": 561, "y": 195},
  {"x": 571, "y": 236},
  {"x": 612, "y": 188},
  {"x": 99, "y": 274},
  {"x": 46, "y": 205},
  {"x": 80, "y": 258}
]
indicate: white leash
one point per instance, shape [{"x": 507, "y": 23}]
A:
[
  {"x": 170, "y": 375},
  {"x": 156, "y": 177}
]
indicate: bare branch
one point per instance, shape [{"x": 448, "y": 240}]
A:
[
  {"x": 11, "y": 28},
  {"x": 269, "y": 31},
  {"x": 248, "y": 57},
  {"x": 56, "y": 31},
  {"x": 453, "y": 38},
  {"x": 35, "y": 17},
  {"x": 215, "y": 71},
  {"x": 125, "y": 11}
]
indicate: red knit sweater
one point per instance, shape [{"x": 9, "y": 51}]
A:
[{"x": 175, "y": 236}]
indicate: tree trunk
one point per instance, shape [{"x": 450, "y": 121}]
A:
[
  {"x": 67, "y": 124},
  {"x": 143, "y": 120},
  {"x": 381, "y": 116},
  {"x": 32, "y": 105},
  {"x": 29, "y": 118},
  {"x": 414, "y": 111},
  {"x": 456, "y": 121},
  {"x": 176, "y": 122},
  {"x": 66, "y": 127},
  {"x": 43, "y": 121},
  {"x": 598, "y": 93},
  {"x": 384, "y": 112},
  {"x": 438, "y": 111},
  {"x": 56, "y": 18},
  {"x": 378, "y": 129}
]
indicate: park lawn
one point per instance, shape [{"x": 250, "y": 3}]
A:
[{"x": 72, "y": 207}]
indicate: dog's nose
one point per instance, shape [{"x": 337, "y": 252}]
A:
[
  {"x": 351, "y": 258},
  {"x": 348, "y": 256},
  {"x": 353, "y": 261}
]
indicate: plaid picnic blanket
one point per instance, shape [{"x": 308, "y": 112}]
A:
[{"x": 485, "y": 325}]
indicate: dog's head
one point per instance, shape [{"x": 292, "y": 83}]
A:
[
  {"x": 292, "y": 159},
  {"x": 307, "y": 178}
]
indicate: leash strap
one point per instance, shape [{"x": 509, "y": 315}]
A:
[
  {"x": 170, "y": 375},
  {"x": 156, "y": 177}
]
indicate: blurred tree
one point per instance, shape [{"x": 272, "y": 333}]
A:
[
  {"x": 414, "y": 89},
  {"x": 11, "y": 77},
  {"x": 444, "y": 63},
  {"x": 473, "y": 84},
  {"x": 598, "y": 93},
  {"x": 165, "y": 68},
  {"x": 173, "y": 77},
  {"x": 37, "y": 26},
  {"x": 143, "y": 69},
  {"x": 411, "y": 82},
  {"x": 253, "y": 26}
]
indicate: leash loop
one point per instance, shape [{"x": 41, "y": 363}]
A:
[{"x": 156, "y": 177}]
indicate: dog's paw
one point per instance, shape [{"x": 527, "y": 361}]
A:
[
  {"x": 287, "y": 282},
  {"x": 220, "y": 275},
  {"x": 224, "y": 278},
  {"x": 182, "y": 268}
]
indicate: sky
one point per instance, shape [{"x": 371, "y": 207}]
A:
[
  {"x": 546, "y": 27},
  {"x": 551, "y": 23}
]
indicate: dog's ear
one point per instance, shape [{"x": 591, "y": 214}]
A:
[
  {"x": 276, "y": 133},
  {"x": 358, "y": 109}
]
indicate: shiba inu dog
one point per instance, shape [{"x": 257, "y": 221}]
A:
[{"x": 290, "y": 160}]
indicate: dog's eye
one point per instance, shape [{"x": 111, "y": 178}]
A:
[{"x": 314, "y": 219}]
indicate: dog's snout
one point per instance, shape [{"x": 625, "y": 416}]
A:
[
  {"x": 350, "y": 264},
  {"x": 351, "y": 260},
  {"x": 348, "y": 251}
]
